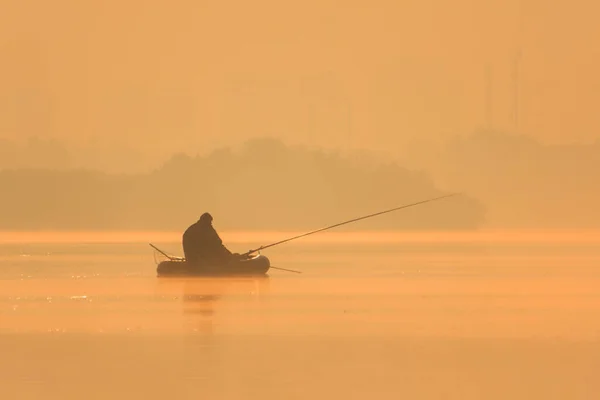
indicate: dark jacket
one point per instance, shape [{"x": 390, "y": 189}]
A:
[{"x": 202, "y": 245}]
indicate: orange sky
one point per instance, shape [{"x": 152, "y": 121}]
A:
[{"x": 170, "y": 75}]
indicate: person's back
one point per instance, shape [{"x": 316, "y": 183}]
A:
[{"x": 202, "y": 245}]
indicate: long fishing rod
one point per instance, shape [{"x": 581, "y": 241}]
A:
[{"x": 346, "y": 222}]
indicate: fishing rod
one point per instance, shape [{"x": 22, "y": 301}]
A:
[
  {"x": 346, "y": 222},
  {"x": 172, "y": 258},
  {"x": 285, "y": 269}
]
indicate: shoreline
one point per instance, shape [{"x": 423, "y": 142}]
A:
[{"x": 517, "y": 235}]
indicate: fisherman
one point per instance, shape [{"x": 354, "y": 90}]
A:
[{"x": 202, "y": 244}]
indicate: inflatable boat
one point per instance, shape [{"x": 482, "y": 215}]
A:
[{"x": 256, "y": 265}]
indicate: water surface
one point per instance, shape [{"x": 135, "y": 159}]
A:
[{"x": 425, "y": 316}]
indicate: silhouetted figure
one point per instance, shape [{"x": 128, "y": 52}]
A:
[{"x": 202, "y": 245}]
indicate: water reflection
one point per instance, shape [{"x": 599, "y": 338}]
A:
[{"x": 202, "y": 299}]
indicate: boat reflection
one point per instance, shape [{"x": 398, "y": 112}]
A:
[{"x": 202, "y": 297}]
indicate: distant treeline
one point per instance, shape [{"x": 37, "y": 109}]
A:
[
  {"x": 522, "y": 182},
  {"x": 262, "y": 185}
]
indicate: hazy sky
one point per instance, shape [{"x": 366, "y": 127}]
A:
[{"x": 184, "y": 74}]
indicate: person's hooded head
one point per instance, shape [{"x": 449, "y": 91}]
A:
[{"x": 205, "y": 219}]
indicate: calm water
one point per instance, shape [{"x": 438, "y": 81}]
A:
[{"x": 431, "y": 319}]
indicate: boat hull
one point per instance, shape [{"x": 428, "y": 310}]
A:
[{"x": 257, "y": 265}]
